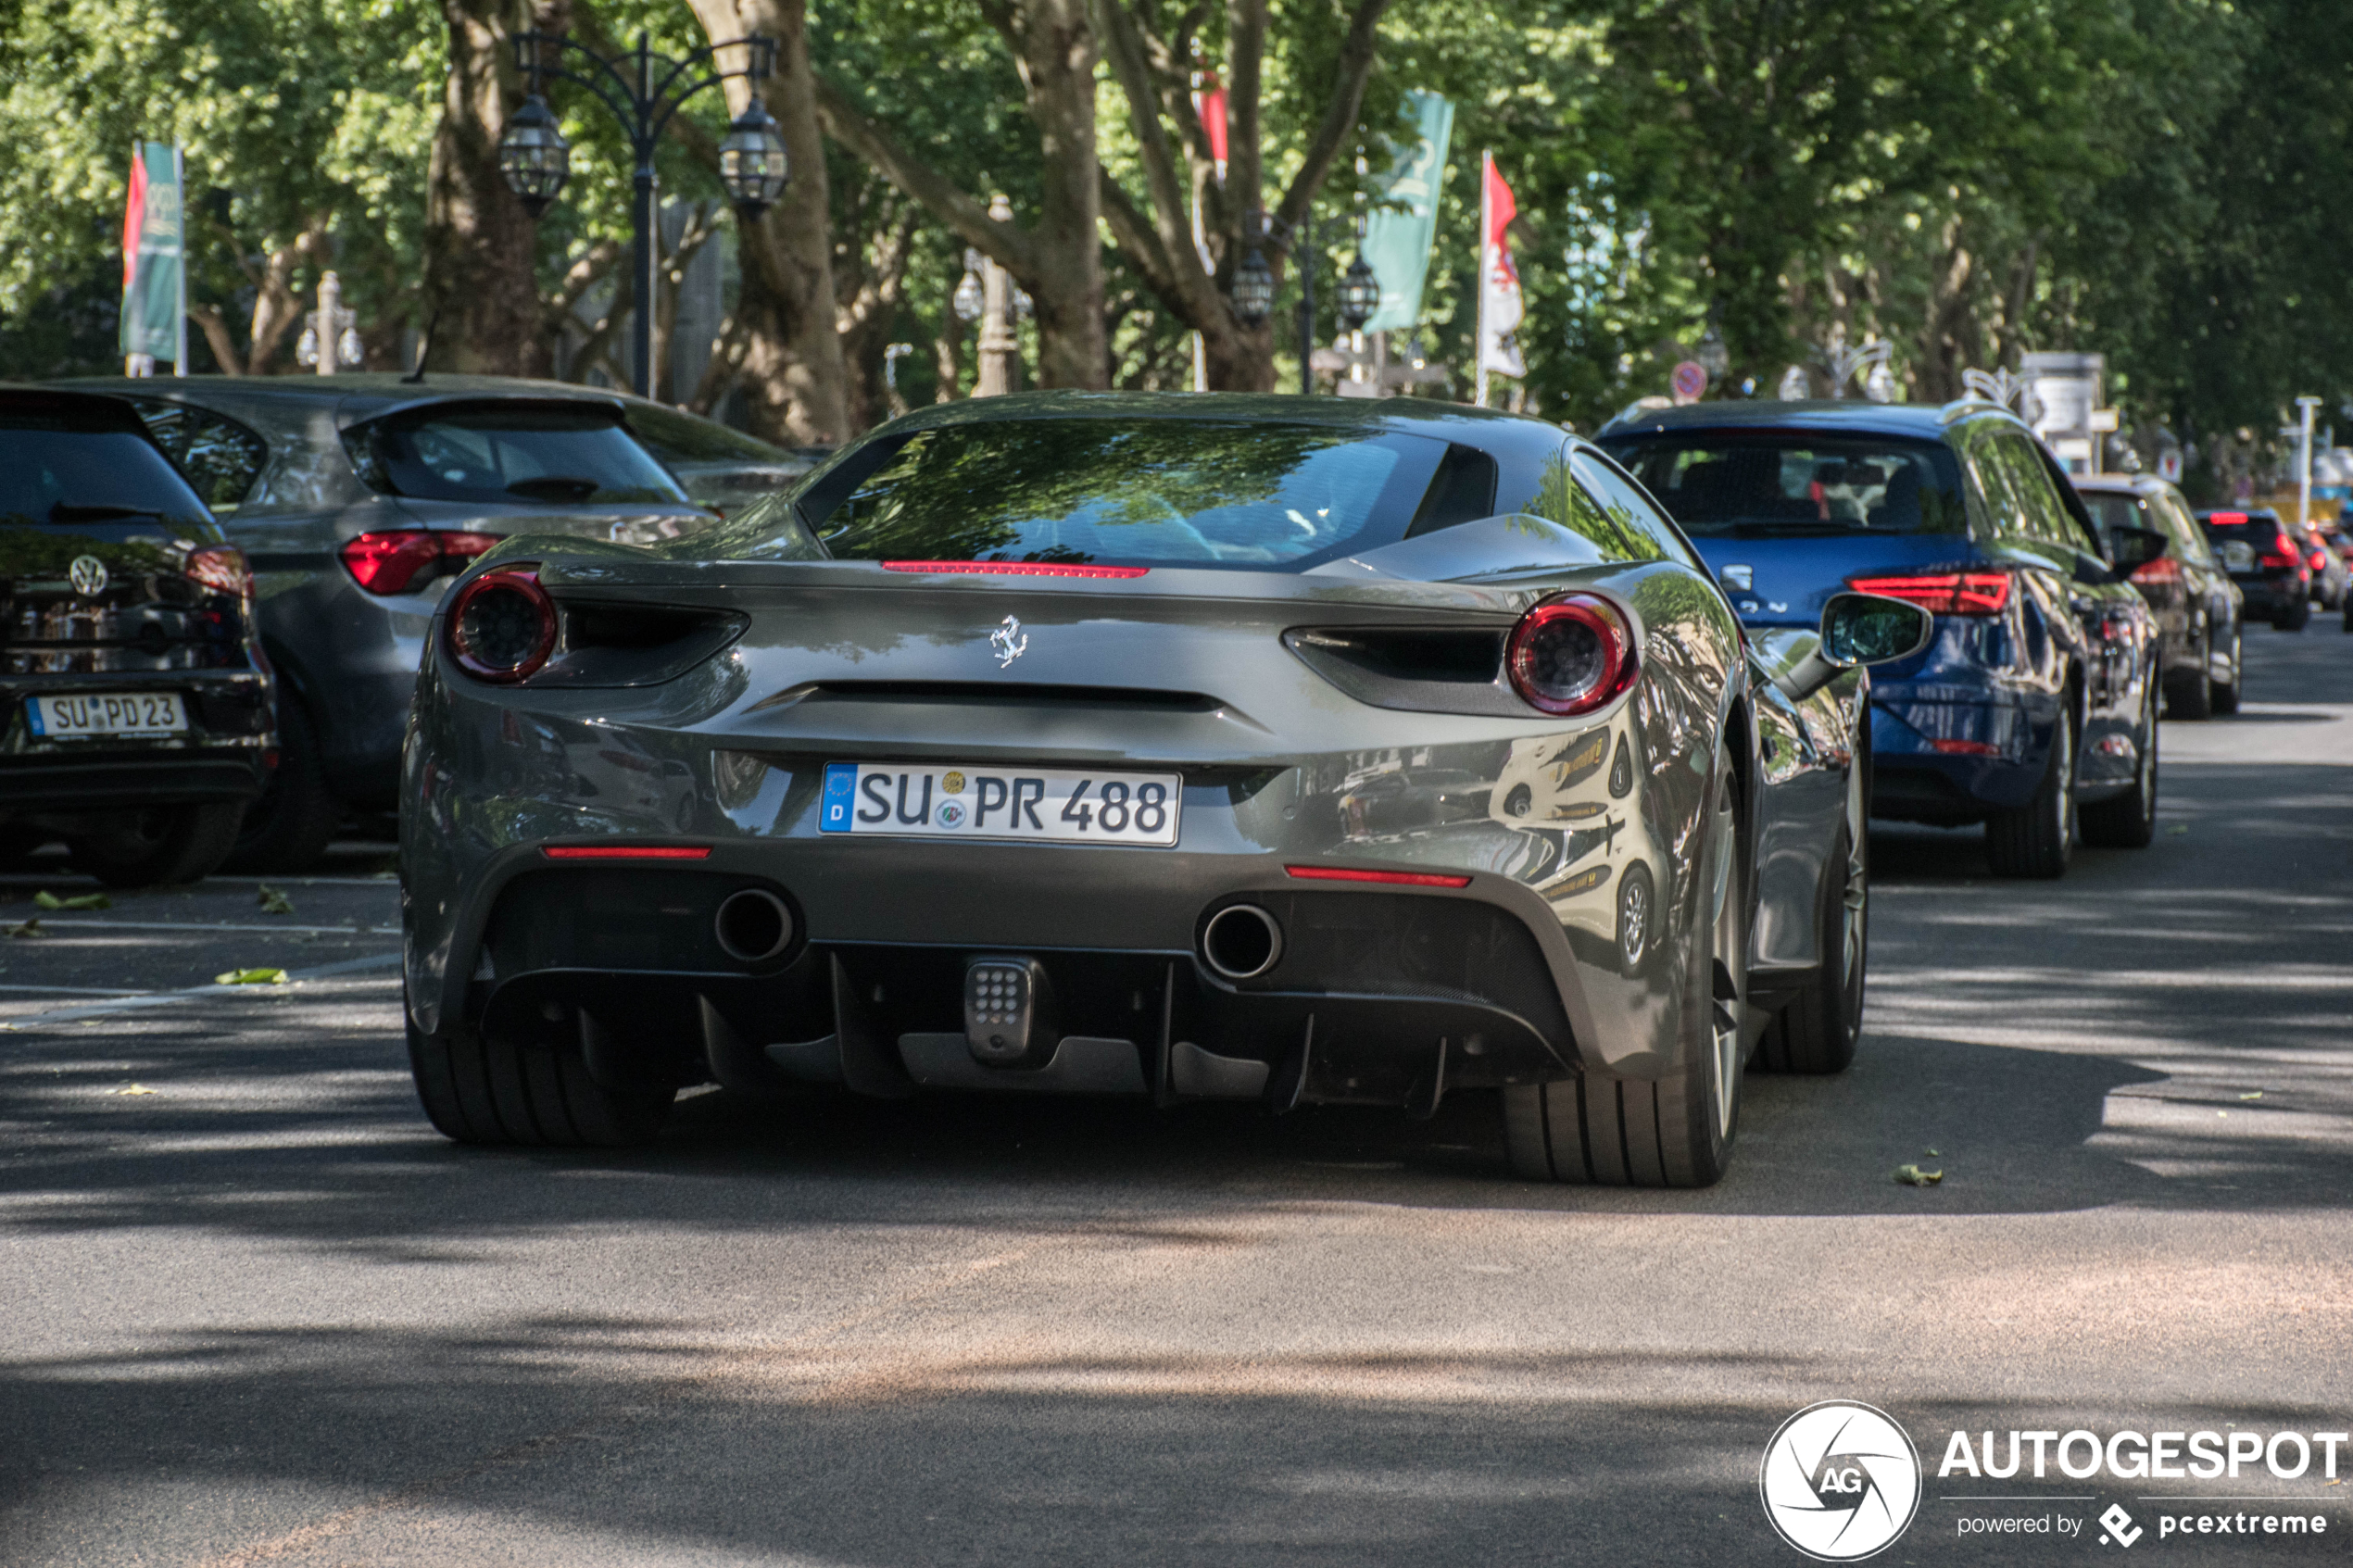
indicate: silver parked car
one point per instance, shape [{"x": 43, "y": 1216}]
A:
[
  {"x": 360, "y": 497},
  {"x": 1184, "y": 748}
]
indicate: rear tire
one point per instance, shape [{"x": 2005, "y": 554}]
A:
[
  {"x": 295, "y": 818},
  {"x": 2192, "y": 694},
  {"x": 2129, "y": 821},
  {"x": 1679, "y": 1130},
  {"x": 1817, "y": 1032},
  {"x": 2293, "y": 619},
  {"x": 2036, "y": 839},
  {"x": 160, "y": 846},
  {"x": 2226, "y": 693},
  {"x": 484, "y": 1091}
]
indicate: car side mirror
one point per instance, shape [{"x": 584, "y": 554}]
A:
[
  {"x": 1859, "y": 629},
  {"x": 2132, "y": 548}
]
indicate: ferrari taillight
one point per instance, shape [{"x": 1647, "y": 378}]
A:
[
  {"x": 502, "y": 625},
  {"x": 1570, "y": 655},
  {"x": 1943, "y": 593}
]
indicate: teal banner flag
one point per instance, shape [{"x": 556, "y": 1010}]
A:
[
  {"x": 152, "y": 253},
  {"x": 1396, "y": 241}
]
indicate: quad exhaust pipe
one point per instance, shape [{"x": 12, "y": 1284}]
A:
[{"x": 1241, "y": 942}]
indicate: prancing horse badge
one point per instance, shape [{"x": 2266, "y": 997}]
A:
[{"x": 1008, "y": 640}]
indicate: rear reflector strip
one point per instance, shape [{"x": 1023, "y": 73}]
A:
[
  {"x": 1015, "y": 567},
  {"x": 1401, "y": 879},
  {"x": 627, "y": 851},
  {"x": 1965, "y": 747}
]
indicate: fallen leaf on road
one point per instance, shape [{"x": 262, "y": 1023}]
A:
[
  {"x": 1929, "y": 1152},
  {"x": 1913, "y": 1176},
  {"x": 29, "y": 928},
  {"x": 133, "y": 1089},
  {"x": 2184, "y": 828},
  {"x": 251, "y": 977},
  {"x": 49, "y": 900},
  {"x": 2257, "y": 1095},
  {"x": 273, "y": 901}
]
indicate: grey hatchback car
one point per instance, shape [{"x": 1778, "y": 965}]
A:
[{"x": 359, "y": 497}]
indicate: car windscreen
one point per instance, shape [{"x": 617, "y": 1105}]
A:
[
  {"x": 51, "y": 473},
  {"x": 1749, "y": 483},
  {"x": 1118, "y": 492},
  {"x": 528, "y": 454}
]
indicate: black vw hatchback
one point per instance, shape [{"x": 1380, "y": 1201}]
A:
[{"x": 136, "y": 700}]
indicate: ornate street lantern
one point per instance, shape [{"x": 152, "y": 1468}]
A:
[
  {"x": 971, "y": 299},
  {"x": 534, "y": 156},
  {"x": 1359, "y": 294},
  {"x": 752, "y": 164},
  {"x": 1253, "y": 290}
]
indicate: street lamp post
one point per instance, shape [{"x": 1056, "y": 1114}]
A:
[
  {"x": 643, "y": 90},
  {"x": 2304, "y": 462}
]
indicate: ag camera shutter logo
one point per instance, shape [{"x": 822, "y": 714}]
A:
[{"x": 1840, "y": 1481}]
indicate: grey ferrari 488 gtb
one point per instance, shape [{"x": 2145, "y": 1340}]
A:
[{"x": 1286, "y": 750}]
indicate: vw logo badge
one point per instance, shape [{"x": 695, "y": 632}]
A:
[
  {"x": 89, "y": 575},
  {"x": 1841, "y": 1481}
]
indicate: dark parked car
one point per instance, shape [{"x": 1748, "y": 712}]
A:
[
  {"x": 2195, "y": 603},
  {"x": 2039, "y": 692},
  {"x": 359, "y": 497},
  {"x": 2266, "y": 559},
  {"x": 137, "y": 697}
]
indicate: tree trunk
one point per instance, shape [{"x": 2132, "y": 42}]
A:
[
  {"x": 792, "y": 366},
  {"x": 1056, "y": 50},
  {"x": 481, "y": 292}
]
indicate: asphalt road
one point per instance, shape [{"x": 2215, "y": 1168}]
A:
[{"x": 253, "y": 1310}]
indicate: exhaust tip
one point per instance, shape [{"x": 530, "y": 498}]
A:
[
  {"x": 752, "y": 925},
  {"x": 1241, "y": 942}
]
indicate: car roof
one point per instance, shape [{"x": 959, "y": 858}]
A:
[
  {"x": 2119, "y": 483},
  {"x": 1921, "y": 422},
  {"x": 1484, "y": 428},
  {"x": 285, "y": 406}
]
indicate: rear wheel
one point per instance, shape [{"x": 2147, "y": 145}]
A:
[
  {"x": 1679, "y": 1130},
  {"x": 2129, "y": 821},
  {"x": 478, "y": 1090},
  {"x": 2226, "y": 693},
  {"x": 295, "y": 818},
  {"x": 1818, "y": 1031},
  {"x": 162, "y": 844},
  {"x": 2294, "y": 618},
  {"x": 2191, "y": 695},
  {"x": 2035, "y": 839}
]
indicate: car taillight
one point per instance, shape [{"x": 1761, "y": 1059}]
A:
[
  {"x": 1943, "y": 592},
  {"x": 2164, "y": 568},
  {"x": 2318, "y": 562},
  {"x": 388, "y": 560},
  {"x": 221, "y": 568},
  {"x": 502, "y": 625},
  {"x": 1572, "y": 654}
]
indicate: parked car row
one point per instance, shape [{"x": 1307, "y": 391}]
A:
[
  {"x": 2065, "y": 616},
  {"x": 335, "y": 511}
]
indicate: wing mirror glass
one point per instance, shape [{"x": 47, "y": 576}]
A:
[
  {"x": 2131, "y": 548},
  {"x": 1859, "y": 629},
  {"x": 1873, "y": 629}
]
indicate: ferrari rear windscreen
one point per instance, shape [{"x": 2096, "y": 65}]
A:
[{"x": 1192, "y": 493}]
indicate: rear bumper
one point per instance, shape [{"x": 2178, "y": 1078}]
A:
[
  {"x": 2268, "y": 596},
  {"x": 118, "y": 783},
  {"x": 1992, "y": 757}
]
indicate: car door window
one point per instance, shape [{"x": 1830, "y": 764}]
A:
[
  {"x": 2188, "y": 538},
  {"x": 220, "y": 457},
  {"x": 1585, "y": 492},
  {"x": 1996, "y": 490}
]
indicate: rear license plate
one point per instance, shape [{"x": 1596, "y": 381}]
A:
[
  {"x": 136, "y": 713},
  {"x": 1063, "y": 806},
  {"x": 2237, "y": 556}
]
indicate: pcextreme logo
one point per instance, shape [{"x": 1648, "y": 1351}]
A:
[{"x": 1840, "y": 1481}]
